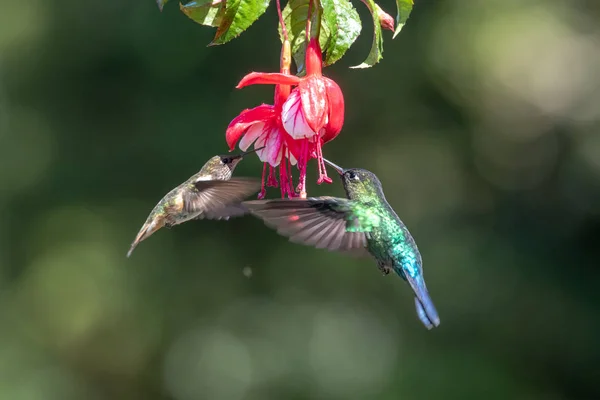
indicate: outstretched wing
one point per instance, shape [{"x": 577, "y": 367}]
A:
[
  {"x": 323, "y": 222},
  {"x": 215, "y": 199}
]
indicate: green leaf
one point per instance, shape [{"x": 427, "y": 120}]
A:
[
  {"x": 294, "y": 15},
  {"x": 238, "y": 16},
  {"x": 161, "y": 4},
  {"x": 204, "y": 12},
  {"x": 376, "y": 52},
  {"x": 343, "y": 23},
  {"x": 404, "y": 9}
]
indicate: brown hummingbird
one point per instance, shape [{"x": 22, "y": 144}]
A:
[{"x": 211, "y": 193}]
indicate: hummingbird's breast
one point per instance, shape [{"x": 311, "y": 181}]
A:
[
  {"x": 382, "y": 237},
  {"x": 392, "y": 244},
  {"x": 176, "y": 211}
]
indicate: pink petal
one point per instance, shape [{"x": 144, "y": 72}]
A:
[
  {"x": 294, "y": 147},
  {"x": 260, "y": 142},
  {"x": 270, "y": 137},
  {"x": 274, "y": 153},
  {"x": 238, "y": 126},
  {"x": 292, "y": 159},
  {"x": 260, "y": 78},
  {"x": 292, "y": 117},
  {"x": 314, "y": 101},
  {"x": 336, "y": 110},
  {"x": 251, "y": 135}
]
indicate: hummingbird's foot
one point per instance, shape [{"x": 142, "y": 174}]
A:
[
  {"x": 385, "y": 270},
  {"x": 168, "y": 225}
]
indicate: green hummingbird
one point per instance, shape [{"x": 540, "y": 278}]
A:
[
  {"x": 362, "y": 223},
  {"x": 211, "y": 193}
]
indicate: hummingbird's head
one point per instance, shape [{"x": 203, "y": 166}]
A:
[
  {"x": 358, "y": 182},
  {"x": 230, "y": 161},
  {"x": 225, "y": 164}
]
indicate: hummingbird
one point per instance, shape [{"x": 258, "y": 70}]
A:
[
  {"x": 361, "y": 224},
  {"x": 211, "y": 193}
]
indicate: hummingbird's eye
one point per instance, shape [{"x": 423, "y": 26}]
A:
[
  {"x": 352, "y": 175},
  {"x": 227, "y": 160}
]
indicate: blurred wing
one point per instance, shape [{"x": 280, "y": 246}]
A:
[
  {"x": 322, "y": 222},
  {"x": 215, "y": 199},
  {"x": 224, "y": 213}
]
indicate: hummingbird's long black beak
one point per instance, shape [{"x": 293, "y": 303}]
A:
[
  {"x": 339, "y": 169},
  {"x": 245, "y": 153}
]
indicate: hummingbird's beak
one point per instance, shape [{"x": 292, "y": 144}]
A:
[
  {"x": 245, "y": 153},
  {"x": 339, "y": 169}
]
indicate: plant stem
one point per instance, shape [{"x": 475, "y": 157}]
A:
[
  {"x": 308, "y": 22},
  {"x": 315, "y": 19},
  {"x": 282, "y": 22}
]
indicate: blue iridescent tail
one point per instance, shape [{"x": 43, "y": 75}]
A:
[
  {"x": 423, "y": 316},
  {"x": 425, "y": 309}
]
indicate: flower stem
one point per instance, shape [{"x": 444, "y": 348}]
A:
[
  {"x": 313, "y": 20},
  {"x": 282, "y": 22},
  {"x": 315, "y": 23},
  {"x": 307, "y": 28},
  {"x": 286, "y": 57}
]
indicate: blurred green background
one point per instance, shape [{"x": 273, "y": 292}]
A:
[{"x": 481, "y": 121}]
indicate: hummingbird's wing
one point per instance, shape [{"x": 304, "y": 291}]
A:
[
  {"x": 322, "y": 222},
  {"x": 216, "y": 199},
  {"x": 224, "y": 213}
]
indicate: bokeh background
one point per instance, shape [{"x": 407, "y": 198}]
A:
[{"x": 482, "y": 122}]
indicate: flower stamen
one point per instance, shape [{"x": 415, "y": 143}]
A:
[
  {"x": 322, "y": 169},
  {"x": 263, "y": 191},
  {"x": 272, "y": 181},
  {"x": 302, "y": 161},
  {"x": 285, "y": 178},
  {"x": 290, "y": 180}
]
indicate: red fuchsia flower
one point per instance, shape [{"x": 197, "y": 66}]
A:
[
  {"x": 262, "y": 126},
  {"x": 313, "y": 113}
]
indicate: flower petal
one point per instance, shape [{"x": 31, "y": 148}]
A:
[
  {"x": 261, "y": 78},
  {"x": 238, "y": 126},
  {"x": 251, "y": 135},
  {"x": 336, "y": 110},
  {"x": 260, "y": 142},
  {"x": 274, "y": 147},
  {"x": 292, "y": 159},
  {"x": 292, "y": 117},
  {"x": 314, "y": 101},
  {"x": 294, "y": 148},
  {"x": 271, "y": 138}
]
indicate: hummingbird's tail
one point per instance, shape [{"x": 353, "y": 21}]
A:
[
  {"x": 425, "y": 309},
  {"x": 151, "y": 226},
  {"x": 424, "y": 316}
]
